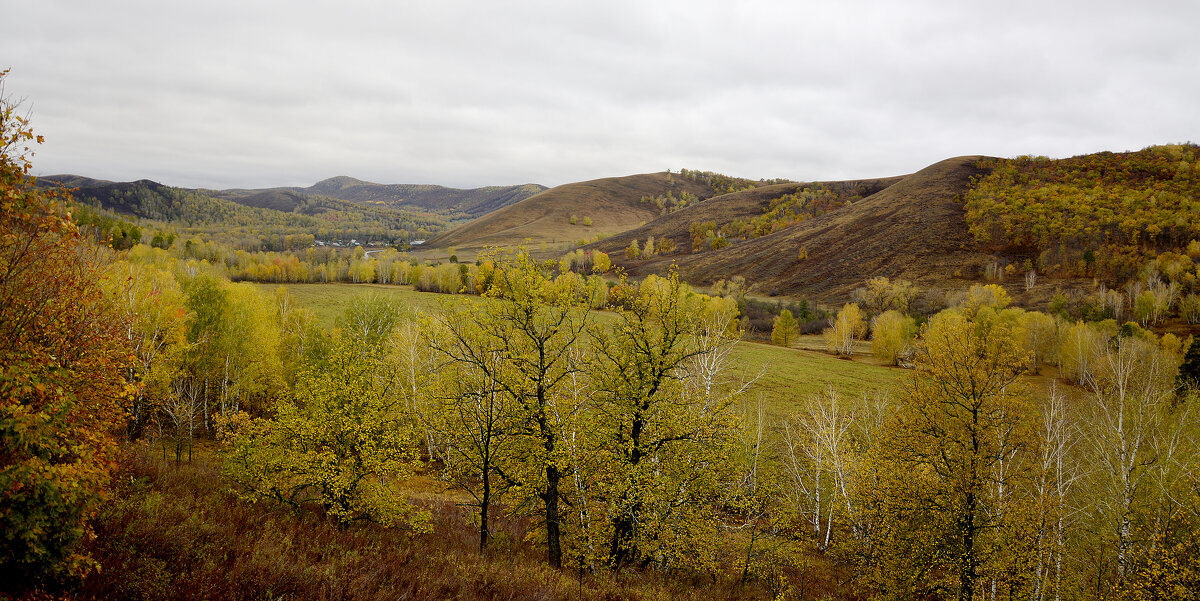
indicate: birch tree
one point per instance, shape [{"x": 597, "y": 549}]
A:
[{"x": 1130, "y": 433}]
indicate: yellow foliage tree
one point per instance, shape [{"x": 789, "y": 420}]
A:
[
  {"x": 342, "y": 441},
  {"x": 848, "y": 326},
  {"x": 958, "y": 451},
  {"x": 979, "y": 296},
  {"x": 534, "y": 325},
  {"x": 665, "y": 422},
  {"x": 785, "y": 329},
  {"x": 892, "y": 335},
  {"x": 149, "y": 303}
]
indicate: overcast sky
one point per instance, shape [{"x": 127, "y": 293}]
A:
[{"x": 221, "y": 93}]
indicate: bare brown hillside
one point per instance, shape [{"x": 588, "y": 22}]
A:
[
  {"x": 744, "y": 204},
  {"x": 912, "y": 229},
  {"x": 612, "y": 204}
]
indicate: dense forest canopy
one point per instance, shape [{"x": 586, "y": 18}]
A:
[{"x": 1100, "y": 214}]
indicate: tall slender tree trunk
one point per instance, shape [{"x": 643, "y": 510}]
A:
[
  {"x": 553, "y": 548},
  {"x": 484, "y": 501},
  {"x": 1058, "y": 557},
  {"x": 967, "y": 564}
]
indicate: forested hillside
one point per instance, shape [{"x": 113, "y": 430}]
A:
[
  {"x": 911, "y": 228},
  {"x": 1101, "y": 214},
  {"x": 754, "y": 210},
  {"x": 193, "y": 212}
]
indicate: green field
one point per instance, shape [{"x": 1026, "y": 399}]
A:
[
  {"x": 788, "y": 377},
  {"x": 791, "y": 376},
  {"x": 329, "y": 300}
]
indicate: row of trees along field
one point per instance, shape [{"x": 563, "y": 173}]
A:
[
  {"x": 1055, "y": 339},
  {"x": 1094, "y": 215}
]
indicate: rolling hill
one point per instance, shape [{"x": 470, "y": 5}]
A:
[
  {"x": 744, "y": 206},
  {"x": 452, "y": 203},
  {"x": 910, "y": 227},
  {"x": 252, "y": 213},
  {"x": 611, "y": 204}
]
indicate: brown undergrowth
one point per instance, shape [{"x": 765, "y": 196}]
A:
[{"x": 177, "y": 532}]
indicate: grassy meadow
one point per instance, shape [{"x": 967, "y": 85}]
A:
[{"x": 783, "y": 376}]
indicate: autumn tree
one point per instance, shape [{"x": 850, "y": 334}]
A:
[
  {"x": 1040, "y": 337},
  {"x": 1057, "y": 474},
  {"x": 882, "y": 294},
  {"x": 633, "y": 251},
  {"x": 892, "y": 335},
  {"x": 233, "y": 339},
  {"x": 979, "y": 296},
  {"x": 816, "y": 461},
  {"x": 958, "y": 446},
  {"x": 208, "y": 308},
  {"x": 1077, "y": 352},
  {"x": 368, "y": 319},
  {"x": 471, "y": 421},
  {"x": 662, "y": 435},
  {"x": 300, "y": 338},
  {"x": 533, "y": 323},
  {"x": 341, "y": 441},
  {"x": 251, "y": 364},
  {"x": 843, "y": 330},
  {"x": 149, "y": 303},
  {"x": 601, "y": 263},
  {"x": 785, "y": 329},
  {"x": 63, "y": 367},
  {"x": 1131, "y": 431}
]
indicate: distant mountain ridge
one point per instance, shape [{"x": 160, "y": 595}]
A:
[
  {"x": 277, "y": 209},
  {"x": 449, "y": 203},
  {"x": 454, "y": 203}
]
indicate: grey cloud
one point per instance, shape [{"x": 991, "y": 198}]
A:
[{"x": 225, "y": 93}]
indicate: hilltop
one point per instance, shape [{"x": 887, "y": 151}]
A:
[
  {"x": 600, "y": 207},
  {"x": 452, "y": 203},
  {"x": 910, "y": 227}
]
